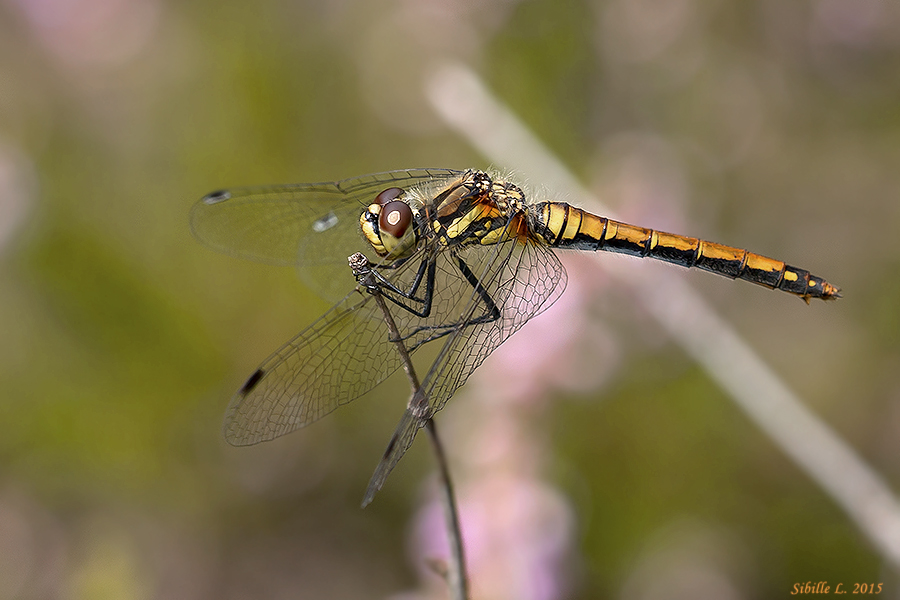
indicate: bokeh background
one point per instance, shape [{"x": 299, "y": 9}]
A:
[{"x": 594, "y": 458}]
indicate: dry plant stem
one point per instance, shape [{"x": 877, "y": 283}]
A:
[{"x": 456, "y": 574}]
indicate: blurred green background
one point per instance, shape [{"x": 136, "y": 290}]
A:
[{"x": 763, "y": 124}]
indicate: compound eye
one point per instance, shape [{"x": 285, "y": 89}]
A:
[
  {"x": 387, "y": 195},
  {"x": 395, "y": 217}
]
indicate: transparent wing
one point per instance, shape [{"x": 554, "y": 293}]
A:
[
  {"x": 314, "y": 226},
  {"x": 522, "y": 280},
  {"x": 342, "y": 355},
  {"x": 347, "y": 351}
]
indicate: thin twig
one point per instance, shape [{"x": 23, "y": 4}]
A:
[
  {"x": 456, "y": 576},
  {"x": 456, "y": 572}
]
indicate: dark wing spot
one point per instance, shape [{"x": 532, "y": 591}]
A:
[
  {"x": 217, "y": 196},
  {"x": 252, "y": 382}
]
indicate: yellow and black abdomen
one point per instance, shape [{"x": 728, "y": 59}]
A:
[{"x": 564, "y": 226}]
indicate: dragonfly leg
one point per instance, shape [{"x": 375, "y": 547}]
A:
[
  {"x": 427, "y": 272},
  {"x": 386, "y": 284},
  {"x": 376, "y": 283},
  {"x": 493, "y": 313}
]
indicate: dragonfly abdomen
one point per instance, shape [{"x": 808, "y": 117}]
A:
[{"x": 564, "y": 226}]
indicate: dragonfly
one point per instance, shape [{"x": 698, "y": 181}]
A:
[{"x": 463, "y": 259}]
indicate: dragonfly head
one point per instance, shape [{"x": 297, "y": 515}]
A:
[{"x": 388, "y": 225}]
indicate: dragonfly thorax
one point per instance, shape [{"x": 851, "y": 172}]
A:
[{"x": 474, "y": 209}]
